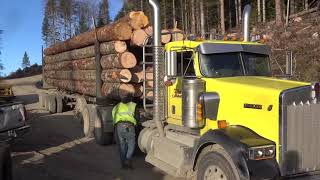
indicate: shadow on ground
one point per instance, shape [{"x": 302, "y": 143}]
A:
[{"x": 55, "y": 149}]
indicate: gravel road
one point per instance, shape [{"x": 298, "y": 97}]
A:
[{"x": 56, "y": 150}]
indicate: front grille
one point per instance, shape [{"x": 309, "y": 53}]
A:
[{"x": 299, "y": 132}]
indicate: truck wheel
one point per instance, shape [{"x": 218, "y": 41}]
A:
[
  {"x": 102, "y": 138},
  {"x": 41, "y": 99},
  {"x": 215, "y": 163},
  {"x": 88, "y": 120},
  {"x": 52, "y": 104},
  {"x": 59, "y": 104},
  {"x": 46, "y": 101},
  {"x": 6, "y": 163}
]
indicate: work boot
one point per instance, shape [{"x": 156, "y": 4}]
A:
[{"x": 129, "y": 165}]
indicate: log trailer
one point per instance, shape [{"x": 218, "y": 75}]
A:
[{"x": 217, "y": 112}]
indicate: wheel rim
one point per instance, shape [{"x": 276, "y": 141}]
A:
[{"x": 214, "y": 173}]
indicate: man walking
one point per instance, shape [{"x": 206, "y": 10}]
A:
[{"x": 124, "y": 121}]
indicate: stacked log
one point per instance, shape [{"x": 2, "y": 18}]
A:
[{"x": 71, "y": 65}]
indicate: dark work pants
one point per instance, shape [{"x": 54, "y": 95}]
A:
[{"x": 126, "y": 140}]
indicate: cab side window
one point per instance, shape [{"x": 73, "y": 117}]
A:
[{"x": 185, "y": 66}]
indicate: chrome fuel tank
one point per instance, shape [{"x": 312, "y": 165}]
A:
[{"x": 191, "y": 91}]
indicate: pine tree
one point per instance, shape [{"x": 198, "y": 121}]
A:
[
  {"x": 25, "y": 60},
  {"x": 66, "y": 13},
  {"x": 278, "y": 12},
  {"x": 1, "y": 65},
  {"x": 104, "y": 16}
]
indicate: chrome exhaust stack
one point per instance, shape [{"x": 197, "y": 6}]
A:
[
  {"x": 158, "y": 66},
  {"x": 246, "y": 22}
]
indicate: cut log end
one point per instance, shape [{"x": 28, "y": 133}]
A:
[
  {"x": 149, "y": 30},
  {"x": 138, "y": 20},
  {"x": 126, "y": 90},
  {"x": 177, "y": 34},
  {"x": 128, "y": 60},
  {"x": 125, "y": 75},
  {"x": 165, "y": 38},
  {"x": 138, "y": 37},
  {"x": 120, "y": 46}
]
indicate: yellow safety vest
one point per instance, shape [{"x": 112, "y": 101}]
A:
[{"x": 124, "y": 112}]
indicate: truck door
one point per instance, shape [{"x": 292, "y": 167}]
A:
[{"x": 185, "y": 68}]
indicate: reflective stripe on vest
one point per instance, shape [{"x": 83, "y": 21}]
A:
[{"x": 124, "y": 112}]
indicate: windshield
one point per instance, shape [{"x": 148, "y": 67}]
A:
[{"x": 235, "y": 64}]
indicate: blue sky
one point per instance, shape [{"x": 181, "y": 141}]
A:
[{"x": 21, "y": 21}]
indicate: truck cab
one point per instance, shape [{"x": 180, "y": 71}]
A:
[{"x": 221, "y": 95}]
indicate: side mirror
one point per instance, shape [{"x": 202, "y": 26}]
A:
[{"x": 171, "y": 63}]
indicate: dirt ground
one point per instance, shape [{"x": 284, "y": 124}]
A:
[{"x": 56, "y": 150}]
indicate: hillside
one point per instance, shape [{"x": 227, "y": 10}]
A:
[{"x": 302, "y": 37}]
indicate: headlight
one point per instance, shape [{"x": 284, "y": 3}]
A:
[{"x": 262, "y": 152}]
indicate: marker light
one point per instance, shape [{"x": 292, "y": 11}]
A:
[{"x": 222, "y": 124}]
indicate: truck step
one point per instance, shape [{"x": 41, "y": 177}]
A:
[{"x": 162, "y": 165}]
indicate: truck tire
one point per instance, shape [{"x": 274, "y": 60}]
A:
[
  {"x": 46, "y": 101},
  {"x": 6, "y": 163},
  {"x": 52, "y": 104},
  {"x": 102, "y": 138},
  {"x": 215, "y": 163},
  {"x": 41, "y": 99},
  {"x": 88, "y": 120},
  {"x": 59, "y": 104}
]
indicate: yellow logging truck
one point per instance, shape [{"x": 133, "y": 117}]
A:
[{"x": 218, "y": 113}]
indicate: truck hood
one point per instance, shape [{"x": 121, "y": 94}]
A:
[{"x": 258, "y": 82}]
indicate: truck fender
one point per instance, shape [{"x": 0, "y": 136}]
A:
[{"x": 232, "y": 139}]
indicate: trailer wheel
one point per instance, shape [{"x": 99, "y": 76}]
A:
[
  {"x": 102, "y": 138},
  {"x": 59, "y": 104},
  {"x": 215, "y": 163},
  {"x": 88, "y": 120},
  {"x": 52, "y": 104}
]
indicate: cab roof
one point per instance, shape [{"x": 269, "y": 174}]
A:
[{"x": 218, "y": 46}]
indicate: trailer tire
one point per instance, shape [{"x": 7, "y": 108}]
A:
[
  {"x": 88, "y": 120},
  {"x": 102, "y": 138},
  {"x": 215, "y": 163},
  {"x": 59, "y": 104},
  {"x": 52, "y": 104}
]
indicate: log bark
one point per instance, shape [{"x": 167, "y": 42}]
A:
[
  {"x": 165, "y": 38},
  {"x": 121, "y": 61},
  {"x": 116, "y": 75},
  {"x": 110, "y": 90},
  {"x": 79, "y": 75},
  {"x": 138, "y": 37},
  {"x": 120, "y": 30},
  {"x": 88, "y": 52},
  {"x": 81, "y": 64}
]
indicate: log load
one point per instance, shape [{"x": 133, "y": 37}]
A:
[
  {"x": 177, "y": 34},
  {"x": 120, "y": 30},
  {"x": 112, "y": 47},
  {"x": 110, "y": 90},
  {"x": 137, "y": 74}
]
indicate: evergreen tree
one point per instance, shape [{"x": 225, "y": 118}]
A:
[
  {"x": 25, "y": 60},
  {"x": 104, "y": 16},
  {"x": 1, "y": 65}
]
